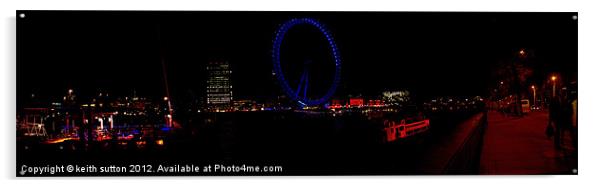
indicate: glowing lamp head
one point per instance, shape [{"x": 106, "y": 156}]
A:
[
  {"x": 165, "y": 98},
  {"x": 532, "y": 87},
  {"x": 553, "y": 78}
]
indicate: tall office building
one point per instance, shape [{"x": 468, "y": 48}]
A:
[{"x": 219, "y": 86}]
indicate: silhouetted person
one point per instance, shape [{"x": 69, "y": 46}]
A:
[
  {"x": 563, "y": 112},
  {"x": 574, "y": 121},
  {"x": 564, "y": 121},
  {"x": 554, "y": 119},
  {"x": 569, "y": 120}
]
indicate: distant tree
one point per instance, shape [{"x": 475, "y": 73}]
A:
[{"x": 514, "y": 74}]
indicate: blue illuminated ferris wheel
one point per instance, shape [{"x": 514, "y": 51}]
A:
[{"x": 300, "y": 95}]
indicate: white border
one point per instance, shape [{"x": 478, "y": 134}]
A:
[{"x": 589, "y": 94}]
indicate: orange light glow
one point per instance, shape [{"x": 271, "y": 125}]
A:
[{"x": 58, "y": 140}]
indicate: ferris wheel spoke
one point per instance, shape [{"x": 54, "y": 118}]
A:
[
  {"x": 306, "y": 85},
  {"x": 301, "y": 80},
  {"x": 303, "y": 83}
]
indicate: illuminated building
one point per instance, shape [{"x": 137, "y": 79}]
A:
[
  {"x": 336, "y": 103},
  {"x": 396, "y": 96},
  {"x": 375, "y": 103},
  {"x": 219, "y": 87},
  {"x": 245, "y": 105},
  {"x": 356, "y": 102}
]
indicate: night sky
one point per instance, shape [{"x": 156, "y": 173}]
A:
[{"x": 429, "y": 53}]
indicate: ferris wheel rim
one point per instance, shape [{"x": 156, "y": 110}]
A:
[{"x": 278, "y": 70}]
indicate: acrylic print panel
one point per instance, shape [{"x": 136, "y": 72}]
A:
[{"x": 203, "y": 93}]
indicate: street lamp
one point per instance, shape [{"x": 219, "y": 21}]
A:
[
  {"x": 169, "y": 116},
  {"x": 522, "y": 53},
  {"x": 534, "y": 94},
  {"x": 553, "y": 86}
]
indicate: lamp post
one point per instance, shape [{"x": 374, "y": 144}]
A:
[
  {"x": 553, "y": 86},
  {"x": 169, "y": 116},
  {"x": 534, "y": 94},
  {"x": 522, "y": 54}
]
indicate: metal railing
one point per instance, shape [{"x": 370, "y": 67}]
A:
[{"x": 466, "y": 159}]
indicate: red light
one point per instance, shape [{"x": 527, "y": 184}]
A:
[
  {"x": 334, "y": 104},
  {"x": 403, "y": 130},
  {"x": 356, "y": 102},
  {"x": 375, "y": 103}
]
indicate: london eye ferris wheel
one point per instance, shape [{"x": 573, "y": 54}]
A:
[{"x": 318, "y": 77}]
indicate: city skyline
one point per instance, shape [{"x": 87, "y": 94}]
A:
[{"x": 119, "y": 54}]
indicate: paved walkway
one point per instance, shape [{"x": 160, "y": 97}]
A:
[
  {"x": 438, "y": 154},
  {"x": 520, "y": 146}
]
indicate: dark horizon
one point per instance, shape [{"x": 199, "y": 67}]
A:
[{"x": 429, "y": 53}]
